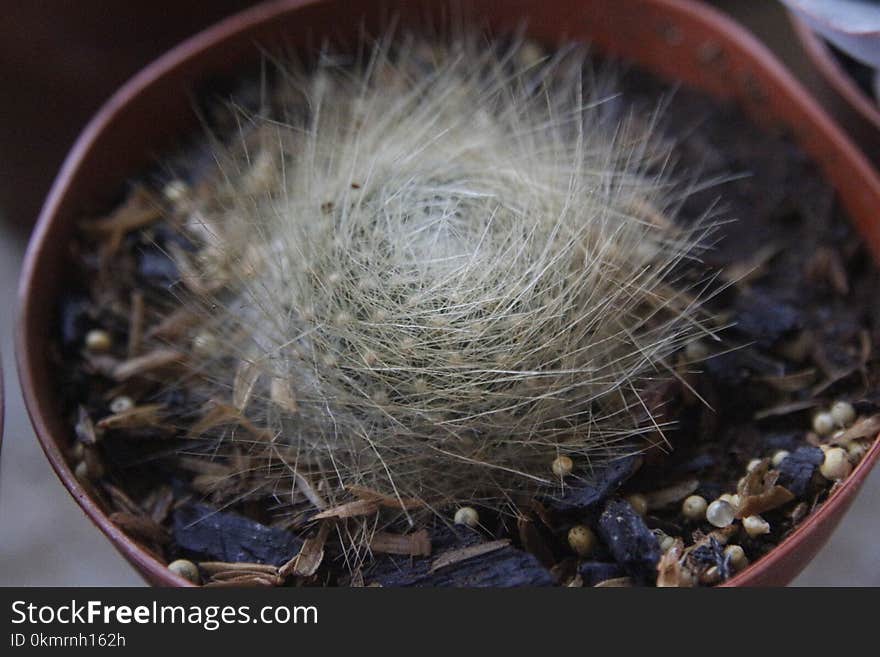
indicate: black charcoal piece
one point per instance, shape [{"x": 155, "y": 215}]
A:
[
  {"x": 631, "y": 543},
  {"x": 699, "y": 462},
  {"x": 764, "y": 319},
  {"x": 796, "y": 470},
  {"x": 208, "y": 534},
  {"x": 593, "y": 572},
  {"x": 597, "y": 487},
  {"x": 712, "y": 554},
  {"x": 505, "y": 567},
  {"x": 787, "y": 440}
]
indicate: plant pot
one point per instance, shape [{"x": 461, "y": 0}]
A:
[
  {"x": 847, "y": 102},
  {"x": 676, "y": 39}
]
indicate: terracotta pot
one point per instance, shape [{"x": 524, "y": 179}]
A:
[
  {"x": 677, "y": 39},
  {"x": 847, "y": 102}
]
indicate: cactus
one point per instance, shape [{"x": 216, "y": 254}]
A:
[{"x": 423, "y": 277}]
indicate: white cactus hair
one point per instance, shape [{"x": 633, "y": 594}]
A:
[{"x": 431, "y": 272}]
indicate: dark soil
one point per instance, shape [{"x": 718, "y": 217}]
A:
[{"x": 806, "y": 326}]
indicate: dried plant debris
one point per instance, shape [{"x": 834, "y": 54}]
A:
[{"x": 442, "y": 350}]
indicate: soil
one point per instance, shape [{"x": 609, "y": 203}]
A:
[{"x": 802, "y": 294}]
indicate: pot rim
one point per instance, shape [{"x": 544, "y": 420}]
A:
[
  {"x": 833, "y": 73},
  {"x": 28, "y": 298}
]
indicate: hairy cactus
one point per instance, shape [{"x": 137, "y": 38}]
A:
[{"x": 423, "y": 277}]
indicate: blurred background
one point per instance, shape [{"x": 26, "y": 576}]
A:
[{"x": 59, "y": 60}]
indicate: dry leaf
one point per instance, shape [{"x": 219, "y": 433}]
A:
[
  {"x": 311, "y": 554},
  {"x": 455, "y": 556},
  {"x": 866, "y": 427},
  {"x": 417, "y": 544},
  {"x": 214, "y": 567},
  {"x": 616, "y": 582},
  {"x": 149, "y": 362},
  {"x": 350, "y": 510},
  {"x": 146, "y": 415}
]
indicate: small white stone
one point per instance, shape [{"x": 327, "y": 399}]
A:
[
  {"x": 186, "y": 569},
  {"x": 468, "y": 516},
  {"x": 720, "y": 513},
  {"x": 843, "y": 413},
  {"x": 98, "y": 340},
  {"x": 121, "y": 404},
  {"x": 562, "y": 466},
  {"x": 175, "y": 190},
  {"x": 581, "y": 539},
  {"x": 731, "y": 498},
  {"x": 737, "y": 556},
  {"x": 752, "y": 465},
  {"x": 836, "y": 465},
  {"x": 756, "y": 526},
  {"x": 779, "y": 457},
  {"x": 666, "y": 542},
  {"x": 823, "y": 423},
  {"x": 694, "y": 507}
]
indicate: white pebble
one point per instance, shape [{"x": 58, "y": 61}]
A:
[
  {"x": 186, "y": 569},
  {"x": 175, "y": 190},
  {"x": 731, "y": 498},
  {"x": 823, "y": 423},
  {"x": 562, "y": 466},
  {"x": 779, "y": 457},
  {"x": 720, "y": 513},
  {"x": 843, "y": 413},
  {"x": 694, "y": 507},
  {"x": 755, "y": 526},
  {"x": 752, "y": 465},
  {"x": 98, "y": 340},
  {"x": 121, "y": 404},
  {"x": 664, "y": 540},
  {"x": 468, "y": 516},
  {"x": 581, "y": 539},
  {"x": 836, "y": 465},
  {"x": 737, "y": 556}
]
